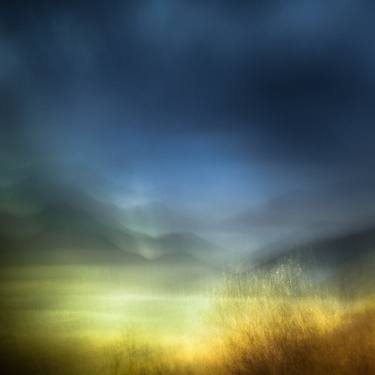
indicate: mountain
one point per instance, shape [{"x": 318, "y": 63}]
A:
[
  {"x": 182, "y": 246},
  {"x": 178, "y": 257},
  {"x": 330, "y": 258},
  {"x": 192, "y": 245},
  {"x": 64, "y": 234},
  {"x": 341, "y": 203},
  {"x": 67, "y": 225},
  {"x": 302, "y": 215},
  {"x": 157, "y": 217}
]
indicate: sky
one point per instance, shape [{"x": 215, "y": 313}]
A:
[{"x": 255, "y": 119}]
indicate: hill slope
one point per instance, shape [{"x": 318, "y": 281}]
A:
[
  {"x": 333, "y": 258},
  {"x": 66, "y": 225}
]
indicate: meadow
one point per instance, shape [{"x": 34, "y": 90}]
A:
[{"x": 178, "y": 320}]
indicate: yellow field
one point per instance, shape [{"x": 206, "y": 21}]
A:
[{"x": 91, "y": 320}]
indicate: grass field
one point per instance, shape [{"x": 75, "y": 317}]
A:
[{"x": 177, "y": 320}]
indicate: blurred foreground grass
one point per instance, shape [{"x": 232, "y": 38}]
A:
[{"x": 176, "y": 321}]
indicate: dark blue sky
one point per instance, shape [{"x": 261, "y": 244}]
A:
[{"x": 216, "y": 109}]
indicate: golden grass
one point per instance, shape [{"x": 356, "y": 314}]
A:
[
  {"x": 279, "y": 323},
  {"x": 270, "y": 323},
  {"x": 302, "y": 337}
]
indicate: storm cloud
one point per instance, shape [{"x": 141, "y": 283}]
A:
[{"x": 213, "y": 107}]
